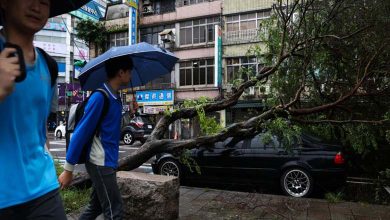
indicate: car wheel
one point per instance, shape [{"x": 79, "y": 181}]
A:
[
  {"x": 169, "y": 167},
  {"x": 59, "y": 134},
  {"x": 296, "y": 182},
  {"x": 128, "y": 138}
]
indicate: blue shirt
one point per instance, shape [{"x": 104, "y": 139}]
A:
[
  {"x": 26, "y": 168},
  {"x": 104, "y": 149}
]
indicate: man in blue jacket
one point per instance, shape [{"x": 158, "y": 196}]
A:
[
  {"x": 103, "y": 155},
  {"x": 28, "y": 180}
]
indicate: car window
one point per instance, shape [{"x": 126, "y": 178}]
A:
[
  {"x": 239, "y": 144},
  {"x": 258, "y": 142},
  {"x": 219, "y": 145},
  {"x": 233, "y": 143}
]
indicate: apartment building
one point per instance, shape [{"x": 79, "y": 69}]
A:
[
  {"x": 242, "y": 29},
  {"x": 58, "y": 39},
  {"x": 188, "y": 29}
]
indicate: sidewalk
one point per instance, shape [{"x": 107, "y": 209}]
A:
[
  {"x": 204, "y": 204},
  {"x": 198, "y": 203}
]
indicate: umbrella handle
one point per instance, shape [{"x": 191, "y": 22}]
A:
[{"x": 22, "y": 63}]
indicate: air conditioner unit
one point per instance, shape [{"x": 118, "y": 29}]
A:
[
  {"x": 148, "y": 9},
  {"x": 167, "y": 36}
]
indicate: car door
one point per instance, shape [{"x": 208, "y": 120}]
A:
[
  {"x": 220, "y": 163},
  {"x": 265, "y": 158}
]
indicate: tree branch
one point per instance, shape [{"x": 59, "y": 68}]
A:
[
  {"x": 342, "y": 98},
  {"x": 338, "y": 122}
]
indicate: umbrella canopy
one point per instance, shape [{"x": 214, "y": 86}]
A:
[
  {"x": 59, "y": 7},
  {"x": 150, "y": 62}
]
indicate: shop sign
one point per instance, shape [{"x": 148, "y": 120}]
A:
[
  {"x": 156, "y": 109},
  {"x": 155, "y": 97}
]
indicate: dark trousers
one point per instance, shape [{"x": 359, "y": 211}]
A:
[
  {"x": 46, "y": 207},
  {"x": 105, "y": 197}
]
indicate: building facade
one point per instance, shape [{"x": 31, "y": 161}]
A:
[
  {"x": 58, "y": 39},
  {"x": 191, "y": 29},
  {"x": 242, "y": 32}
]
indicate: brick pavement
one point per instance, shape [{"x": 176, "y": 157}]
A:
[{"x": 204, "y": 204}]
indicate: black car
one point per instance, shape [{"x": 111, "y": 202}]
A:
[
  {"x": 137, "y": 129},
  {"x": 296, "y": 169}
]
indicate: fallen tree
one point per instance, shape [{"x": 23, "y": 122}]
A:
[{"x": 327, "y": 63}]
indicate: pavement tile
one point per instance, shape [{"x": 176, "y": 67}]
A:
[
  {"x": 318, "y": 210},
  {"x": 194, "y": 193},
  {"x": 213, "y": 206},
  {"x": 184, "y": 190},
  {"x": 204, "y": 204},
  {"x": 338, "y": 216},
  {"x": 209, "y": 195},
  {"x": 359, "y": 209},
  {"x": 318, "y": 215},
  {"x": 192, "y": 217},
  {"x": 340, "y": 209},
  {"x": 359, "y": 217},
  {"x": 261, "y": 200},
  {"x": 271, "y": 213},
  {"x": 189, "y": 209}
]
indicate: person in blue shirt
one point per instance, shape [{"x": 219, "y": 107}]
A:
[
  {"x": 102, "y": 159},
  {"x": 28, "y": 180}
]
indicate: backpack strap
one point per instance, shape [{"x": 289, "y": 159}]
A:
[
  {"x": 52, "y": 66},
  {"x": 105, "y": 108}
]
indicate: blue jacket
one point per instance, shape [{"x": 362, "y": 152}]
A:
[{"x": 104, "y": 149}]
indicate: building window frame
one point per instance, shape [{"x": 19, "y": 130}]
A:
[
  {"x": 196, "y": 73},
  {"x": 151, "y": 34},
  {"x": 241, "y": 19},
  {"x": 198, "y": 32},
  {"x": 237, "y": 67},
  {"x": 118, "y": 39}
]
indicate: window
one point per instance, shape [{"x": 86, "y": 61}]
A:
[
  {"x": 191, "y": 2},
  {"x": 197, "y": 72},
  {"x": 150, "y": 34},
  {"x": 246, "y": 21},
  {"x": 244, "y": 26},
  {"x": 242, "y": 68},
  {"x": 198, "y": 31},
  {"x": 118, "y": 39}
]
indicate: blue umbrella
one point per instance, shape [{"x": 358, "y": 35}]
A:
[{"x": 150, "y": 62}]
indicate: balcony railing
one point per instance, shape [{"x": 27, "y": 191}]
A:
[{"x": 242, "y": 36}]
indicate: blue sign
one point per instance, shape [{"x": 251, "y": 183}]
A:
[
  {"x": 155, "y": 97},
  {"x": 133, "y": 8},
  {"x": 92, "y": 10},
  {"x": 133, "y": 25}
]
